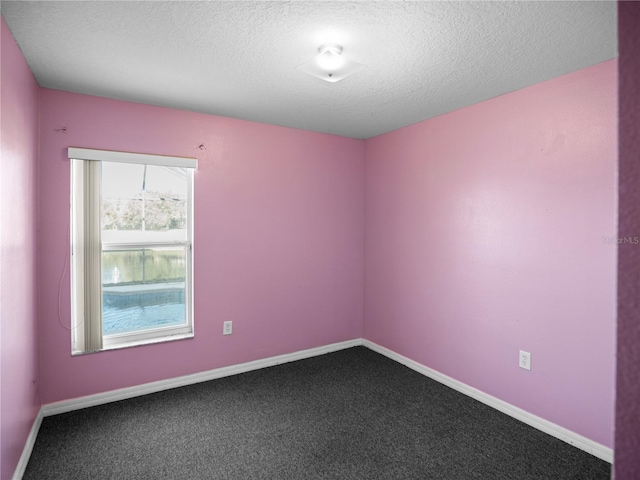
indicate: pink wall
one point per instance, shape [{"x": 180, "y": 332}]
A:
[
  {"x": 19, "y": 398},
  {"x": 627, "y": 456},
  {"x": 483, "y": 236},
  {"x": 278, "y": 239}
]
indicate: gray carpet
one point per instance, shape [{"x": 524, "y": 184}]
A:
[{"x": 353, "y": 414}]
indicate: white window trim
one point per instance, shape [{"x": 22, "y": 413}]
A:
[
  {"x": 82, "y": 339},
  {"x": 77, "y": 153}
]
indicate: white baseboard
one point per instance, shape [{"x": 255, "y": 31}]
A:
[
  {"x": 28, "y": 447},
  {"x": 583, "y": 443},
  {"x": 153, "y": 387},
  {"x": 594, "y": 448}
]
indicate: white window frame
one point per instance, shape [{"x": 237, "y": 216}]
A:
[{"x": 86, "y": 314}]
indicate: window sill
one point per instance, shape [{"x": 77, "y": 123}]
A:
[{"x": 138, "y": 343}]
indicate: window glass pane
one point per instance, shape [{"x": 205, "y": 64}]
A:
[
  {"x": 143, "y": 203},
  {"x": 143, "y": 289}
]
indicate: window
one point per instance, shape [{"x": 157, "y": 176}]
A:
[{"x": 132, "y": 248}]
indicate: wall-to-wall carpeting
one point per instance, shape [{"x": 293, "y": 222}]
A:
[{"x": 353, "y": 414}]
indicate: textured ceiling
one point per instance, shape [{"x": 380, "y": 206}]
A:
[{"x": 239, "y": 59}]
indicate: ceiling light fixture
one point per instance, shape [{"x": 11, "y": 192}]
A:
[{"x": 330, "y": 65}]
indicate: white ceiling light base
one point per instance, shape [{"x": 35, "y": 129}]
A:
[{"x": 329, "y": 65}]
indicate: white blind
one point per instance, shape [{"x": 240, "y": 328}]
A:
[
  {"x": 126, "y": 157},
  {"x": 88, "y": 262},
  {"x": 92, "y": 258}
]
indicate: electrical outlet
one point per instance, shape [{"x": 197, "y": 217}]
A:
[
  {"x": 525, "y": 360},
  {"x": 227, "y": 328}
]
